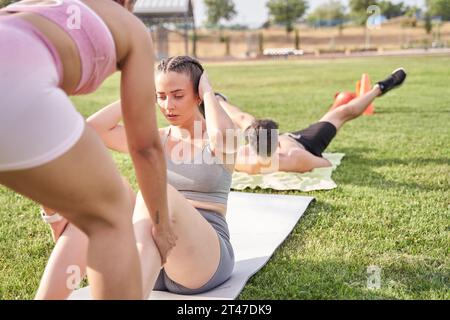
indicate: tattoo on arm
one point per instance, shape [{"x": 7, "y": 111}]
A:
[{"x": 157, "y": 217}]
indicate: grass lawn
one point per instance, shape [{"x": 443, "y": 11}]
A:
[{"x": 391, "y": 208}]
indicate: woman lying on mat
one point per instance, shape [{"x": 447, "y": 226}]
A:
[
  {"x": 299, "y": 151},
  {"x": 50, "y": 50},
  {"x": 198, "y": 189}
]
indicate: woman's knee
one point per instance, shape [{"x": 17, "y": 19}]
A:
[
  {"x": 173, "y": 197},
  {"x": 141, "y": 211},
  {"x": 112, "y": 209}
]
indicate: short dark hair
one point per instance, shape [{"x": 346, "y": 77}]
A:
[{"x": 262, "y": 136}]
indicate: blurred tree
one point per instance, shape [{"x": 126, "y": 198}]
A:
[
  {"x": 266, "y": 25},
  {"x": 359, "y": 9},
  {"x": 287, "y": 12},
  {"x": 439, "y": 8},
  {"x": 331, "y": 13},
  {"x": 411, "y": 13},
  {"x": 297, "y": 39},
  {"x": 261, "y": 43},
  {"x": 391, "y": 10},
  {"x": 428, "y": 26},
  {"x": 359, "y": 6},
  {"x": 217, "y": 10}
]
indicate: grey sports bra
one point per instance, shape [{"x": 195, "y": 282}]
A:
[{"x": 203, "y": 179}]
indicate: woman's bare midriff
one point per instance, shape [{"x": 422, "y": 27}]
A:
[{"x": 65, "y": 46}]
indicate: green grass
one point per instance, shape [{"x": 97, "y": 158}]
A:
[{"x": 391, "y": 208}]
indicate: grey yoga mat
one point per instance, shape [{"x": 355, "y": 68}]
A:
[{"x": 258, "y": 224}]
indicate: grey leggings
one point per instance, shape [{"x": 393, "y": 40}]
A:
[{"x": 226, "y": 263}]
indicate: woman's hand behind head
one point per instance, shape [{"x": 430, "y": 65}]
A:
[{"x": 204, "y": 85}]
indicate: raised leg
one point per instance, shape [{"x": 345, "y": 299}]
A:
[
  {"x": 194, "y": 259},
  {"x": 352, "y": 110},
  {"x": 191, "y": 263}
]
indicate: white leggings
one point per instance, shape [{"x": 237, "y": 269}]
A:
[{"x": 38, "y": 122}]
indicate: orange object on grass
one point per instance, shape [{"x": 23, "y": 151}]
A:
[
  {"x": 365, "y": 87},
  {"x": 342, "y": 98}
]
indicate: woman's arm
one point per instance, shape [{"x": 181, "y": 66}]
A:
[
  {"x": 217, "y": 123},
  {"x": 255, "y": 165},
  {"x": 139, "y": 115},
  {"x": 242, "y": 166},
  {"x": 241, "y": 119},
  {"x": 106, "y": 123}
]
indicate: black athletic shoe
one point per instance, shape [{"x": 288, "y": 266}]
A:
[{"x": 393, "y": 81}]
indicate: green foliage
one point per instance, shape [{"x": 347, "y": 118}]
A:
[
  {"x": 392, "y": 10},
  {"x": 218, "y": 10},
  {"x": 428, "y": 25},
  {"x": 358, "y": 9},
  {"x": 287, "y": 12},
  {"x": 297, "y": 39},
  {"x": 333, "y": 10},
  {"x": 261, "y": 42},
  {"x": 439, "y": 8},
  {"x": 360, "y": 6},
  {"x": 266, "y": 25}
]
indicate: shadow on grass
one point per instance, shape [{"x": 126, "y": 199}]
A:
[
  {"x": 363, "y": 174},
  {"x": 292, "y": 273},
  {"x": 334, "y": 278}
]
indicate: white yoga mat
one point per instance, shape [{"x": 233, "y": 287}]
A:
[
  {"x": 317, "y": 179},
  {"x": 258, "y": 224}
]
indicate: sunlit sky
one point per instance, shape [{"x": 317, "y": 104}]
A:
[{"x": 254, "y": 12}]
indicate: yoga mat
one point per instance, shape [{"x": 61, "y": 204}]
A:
[
  {"x": 317, "y": 179},
  {"x": 258, "y": 224}
]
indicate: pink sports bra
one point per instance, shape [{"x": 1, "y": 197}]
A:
[{"x": 93, "y": 38}]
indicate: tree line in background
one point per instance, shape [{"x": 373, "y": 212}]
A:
[{"x": 331, "y": 13}]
